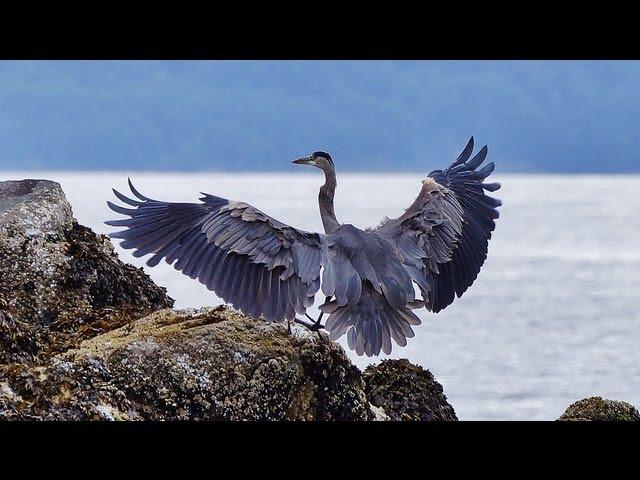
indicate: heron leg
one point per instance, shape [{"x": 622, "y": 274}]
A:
[
  {"x": 319, "y": 319},
  {"x": 319, "y": 325},
  {"x": 289, "y": 326},
  {"x": 320, "y": 337}
]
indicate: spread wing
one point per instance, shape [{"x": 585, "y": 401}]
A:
[
  {"x": 249, "y": 259},
  {"x": 444, "y": 234}
]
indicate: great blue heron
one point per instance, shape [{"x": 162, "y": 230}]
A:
[{"x": 267, "y": 268}]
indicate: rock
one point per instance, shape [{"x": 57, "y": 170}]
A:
[
  {"x": 599, "y": 409},
  {"x": 406, "y": 392},
  {"x": 379, "y": 415},
  {"x": 33, "y": 208},
  {"x": 213, "y": 364},
  {"x": 85, "y": 337},
  {"x": 60, "y": 282},
  {"x": 19, "y": 341}
]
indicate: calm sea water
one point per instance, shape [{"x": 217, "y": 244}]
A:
[{"x": 552, "y": 318}]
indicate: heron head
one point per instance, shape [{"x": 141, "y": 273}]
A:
[{"x": 321, "y": 160}]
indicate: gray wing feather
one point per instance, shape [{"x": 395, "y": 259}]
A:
[
  {"x": 444, "y": 234},
  {"x": 251, "y": 260},
  {"x": 465, "y": 187}
]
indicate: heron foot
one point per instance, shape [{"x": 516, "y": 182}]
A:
[{"x": 314, "y": 325}]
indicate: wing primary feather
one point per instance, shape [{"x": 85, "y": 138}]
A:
[{"x": 464, "y": 156}]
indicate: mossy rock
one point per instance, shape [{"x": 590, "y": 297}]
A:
[
  {"x": 600, "y": 409},
  {"x": 406, "y": 392},
  {"x": 210, "y": 364}
]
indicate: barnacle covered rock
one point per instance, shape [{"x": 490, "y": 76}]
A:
[
  {"x": 406, "y": 392},
  {"x": 60, "y": 282},
  {"x": 213, "y": 364},
  {"x": 600, "y": 409}
]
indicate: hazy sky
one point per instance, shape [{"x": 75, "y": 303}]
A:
[{"x": 553, "y": 116}]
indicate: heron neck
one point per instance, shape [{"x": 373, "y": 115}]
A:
[{"x": 325, "y": 199}]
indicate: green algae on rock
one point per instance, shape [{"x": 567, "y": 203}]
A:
[
  {"x": 208, "y": 364},
  {"x": 406, "y": 392},
  {"x": 600, "y": 409}
]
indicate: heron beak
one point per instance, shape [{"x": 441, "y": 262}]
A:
[{"x": 305, "y": 161}]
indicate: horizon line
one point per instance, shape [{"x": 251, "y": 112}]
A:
[{"x": 299, "y": 171}]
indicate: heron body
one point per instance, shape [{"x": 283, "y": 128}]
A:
[{"x": 267, "y": 268}]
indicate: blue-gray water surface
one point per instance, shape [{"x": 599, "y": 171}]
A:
[{"x": 552, "y": 317}]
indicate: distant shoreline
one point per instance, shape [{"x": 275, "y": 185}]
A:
[{"x": 290, "y": 172}]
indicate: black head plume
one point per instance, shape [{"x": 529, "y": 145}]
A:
[{"x": 325, "y": 155}]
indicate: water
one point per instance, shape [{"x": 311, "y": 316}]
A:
[{"x": 552, "y": 318}]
